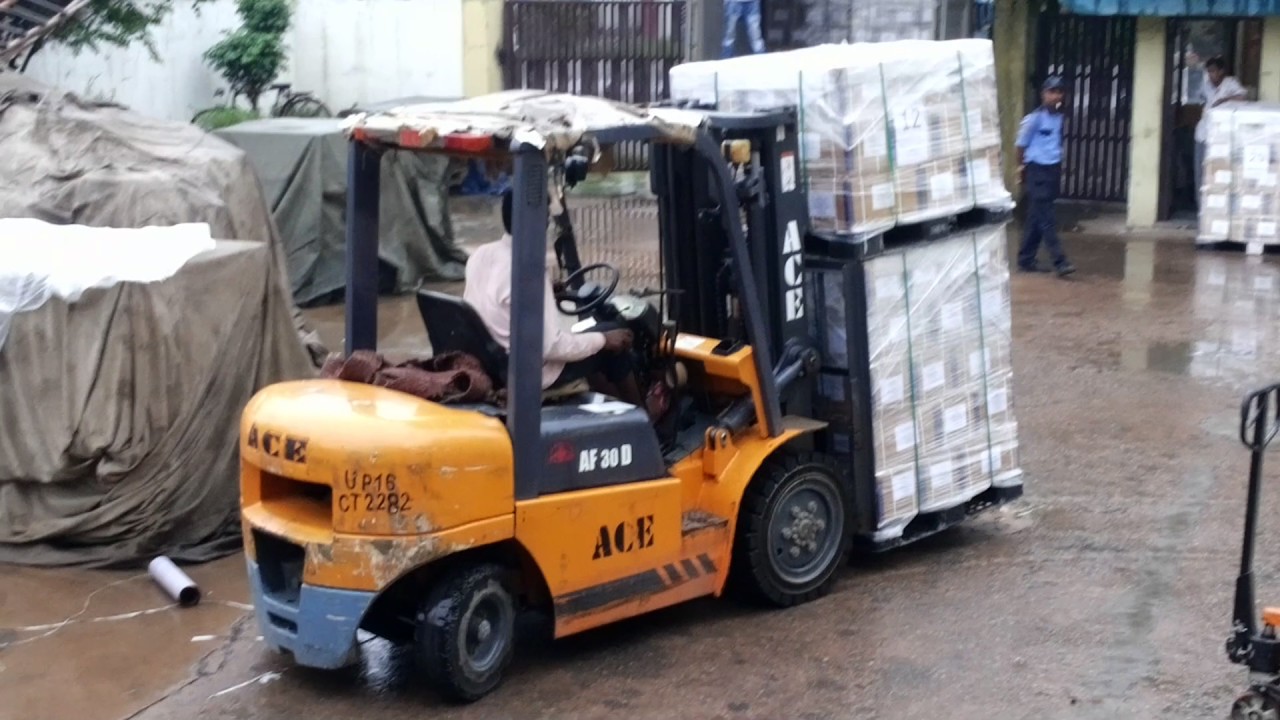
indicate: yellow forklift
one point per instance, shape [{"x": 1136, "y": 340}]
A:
[{"x": 368, "y": 509}]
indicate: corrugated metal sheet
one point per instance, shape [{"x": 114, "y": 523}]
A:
[
  {"x": 23, "y": 22},
  {"x": 1173, "y": 8}
]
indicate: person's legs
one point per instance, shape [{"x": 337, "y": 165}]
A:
[
  {"x": 1032, "y": 223},
  {"x": 733, "y": 10},
  {"x": 577, "y": 370},
  {"x": 1030, "y": 237},
  {"x": 753, "y": 26},
  {"x": 1049, "y": 235},
  {"x": 1052, "y": 177}
]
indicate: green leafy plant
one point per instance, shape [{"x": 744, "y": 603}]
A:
[
  {"x": 250, "y": 57},
  {"x": 117, "y": 23}
]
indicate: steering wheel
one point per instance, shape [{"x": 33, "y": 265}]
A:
[{"x": 597, "y": 298}]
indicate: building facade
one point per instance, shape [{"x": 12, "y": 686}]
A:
[
  {"x": 344, "y": 51},
  {"x": 1135, "y": 73}
]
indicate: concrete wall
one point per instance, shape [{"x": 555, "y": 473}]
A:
[
  {"x": 1269, "y": 70},
  {"x": 481, "y": 38},
  {"x": 1147, "y": 137},
  {"x": 345, "y": 51}
]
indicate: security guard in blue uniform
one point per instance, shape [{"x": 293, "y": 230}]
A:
[{"x": 1040, "y": 167}]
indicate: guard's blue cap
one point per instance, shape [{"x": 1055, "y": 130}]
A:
[{"x": 1053, "y": 82}]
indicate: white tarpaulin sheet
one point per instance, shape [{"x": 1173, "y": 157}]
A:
[{"x": 42, "y": 260}]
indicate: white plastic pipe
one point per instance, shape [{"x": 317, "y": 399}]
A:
[{"x": 175, "y": 582}]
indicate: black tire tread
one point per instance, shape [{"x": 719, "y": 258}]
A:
[
  {"x": 749, "y": 574},
  {"x": 433, "y": 643}
]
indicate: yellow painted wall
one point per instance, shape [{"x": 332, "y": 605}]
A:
[
  {"x": 481, "y": 38},
  {"x": 1269, "y": 72},
  {"x": 1010, "y": 39},
  {"x": 1148, "y": 118}
]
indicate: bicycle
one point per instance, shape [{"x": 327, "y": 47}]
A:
[
  {"x": 297, "y": 104},
  {"x": 288, "y": 103}
]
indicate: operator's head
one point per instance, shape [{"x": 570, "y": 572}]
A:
[
  {"x": 1052, "y": 92},
  {"x": 506, "y": 210},
  {"x": 1216, "y": 67}
]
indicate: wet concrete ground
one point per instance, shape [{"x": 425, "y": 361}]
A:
[{"x": 1105, "y": 594}]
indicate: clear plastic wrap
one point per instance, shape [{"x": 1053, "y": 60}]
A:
[
  {"x": 1239, "y": 192},
  {"x": 939, "y": 372},
  {"x": 893, "y": 133}
]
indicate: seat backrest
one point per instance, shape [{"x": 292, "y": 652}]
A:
[{"x": 455, "y": 326}]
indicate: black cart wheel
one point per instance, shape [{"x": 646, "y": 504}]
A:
[
  {"x": 465, "y": 632},
  {"x": 304, "y": 106},
  {"x": 793, "y": 530},
  {"x": 1253, "y": 705}
]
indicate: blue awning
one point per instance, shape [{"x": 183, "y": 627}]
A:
[{"x": 1173, "y": 8}]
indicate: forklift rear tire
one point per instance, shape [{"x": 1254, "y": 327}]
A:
[
  {"x": 1253, "y": 705},
  {"x": 465, "y": 632},
  {"x": 793, "y": 530}
]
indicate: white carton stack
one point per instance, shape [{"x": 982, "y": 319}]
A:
[
  {"x": 938, "y": 327},
  {"x": 893, "y": 133},
  {"x": 1240, "y": 192}
]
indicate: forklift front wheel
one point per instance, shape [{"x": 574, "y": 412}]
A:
[
  {"x": 1253, "y": 705},
  {"x": 466, "y": 631},
  {"x": 793, "y": 530}
]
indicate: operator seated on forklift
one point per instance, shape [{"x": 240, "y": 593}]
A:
[{"x": 601, "y": 354}]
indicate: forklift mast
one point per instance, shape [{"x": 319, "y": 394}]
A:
[{"x": 694, "y": 246}]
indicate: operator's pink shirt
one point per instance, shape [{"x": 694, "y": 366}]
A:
[{"x": 488, "y": 290}]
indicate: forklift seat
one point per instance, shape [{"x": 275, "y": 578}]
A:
[{"x": 455, "y": 326}]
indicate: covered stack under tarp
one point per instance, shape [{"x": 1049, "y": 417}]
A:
[
  {"x": 67, "y": 160},
  {"x": 128, "y": 357},
  {"x": 118, "y": 410},
  {"x": 302, "y": 163}
]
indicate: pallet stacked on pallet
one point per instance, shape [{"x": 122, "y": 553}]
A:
[
  {"x": 933, "y": 363},
  {"x": 894, "y": 133},
  {"x": 1239, "y": 193}
]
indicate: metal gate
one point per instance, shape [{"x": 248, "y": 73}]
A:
[
  {"x": 1094, "y": 55},
  {"x": 617, "y": 49}
]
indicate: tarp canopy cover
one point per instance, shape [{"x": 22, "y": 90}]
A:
[
  {"x": 302, "y": 163},
  {"x": 553, "y": 121}
]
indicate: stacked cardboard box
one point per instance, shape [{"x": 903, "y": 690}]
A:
[
  {"x": 1240, "y": 194},
  {"x": 939, "y": 370},
  {"x": 894, "y": 133}
]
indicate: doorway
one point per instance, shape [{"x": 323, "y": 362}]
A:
[{"x": 1191, "y": 43}]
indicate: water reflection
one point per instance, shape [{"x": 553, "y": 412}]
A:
[{"x": 1236, "y": 298}]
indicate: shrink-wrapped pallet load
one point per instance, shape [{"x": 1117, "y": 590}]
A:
[
  {"x": 933, "y": 364},
  {"x": 1240, "y": 194},
  {"x": 893, "y": 133}
]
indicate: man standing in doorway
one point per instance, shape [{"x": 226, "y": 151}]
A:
[
  {"x": 736, "y": 12},
  {"x": 1040, "y": 168},
  {"x": 1219, "y": 88}
]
